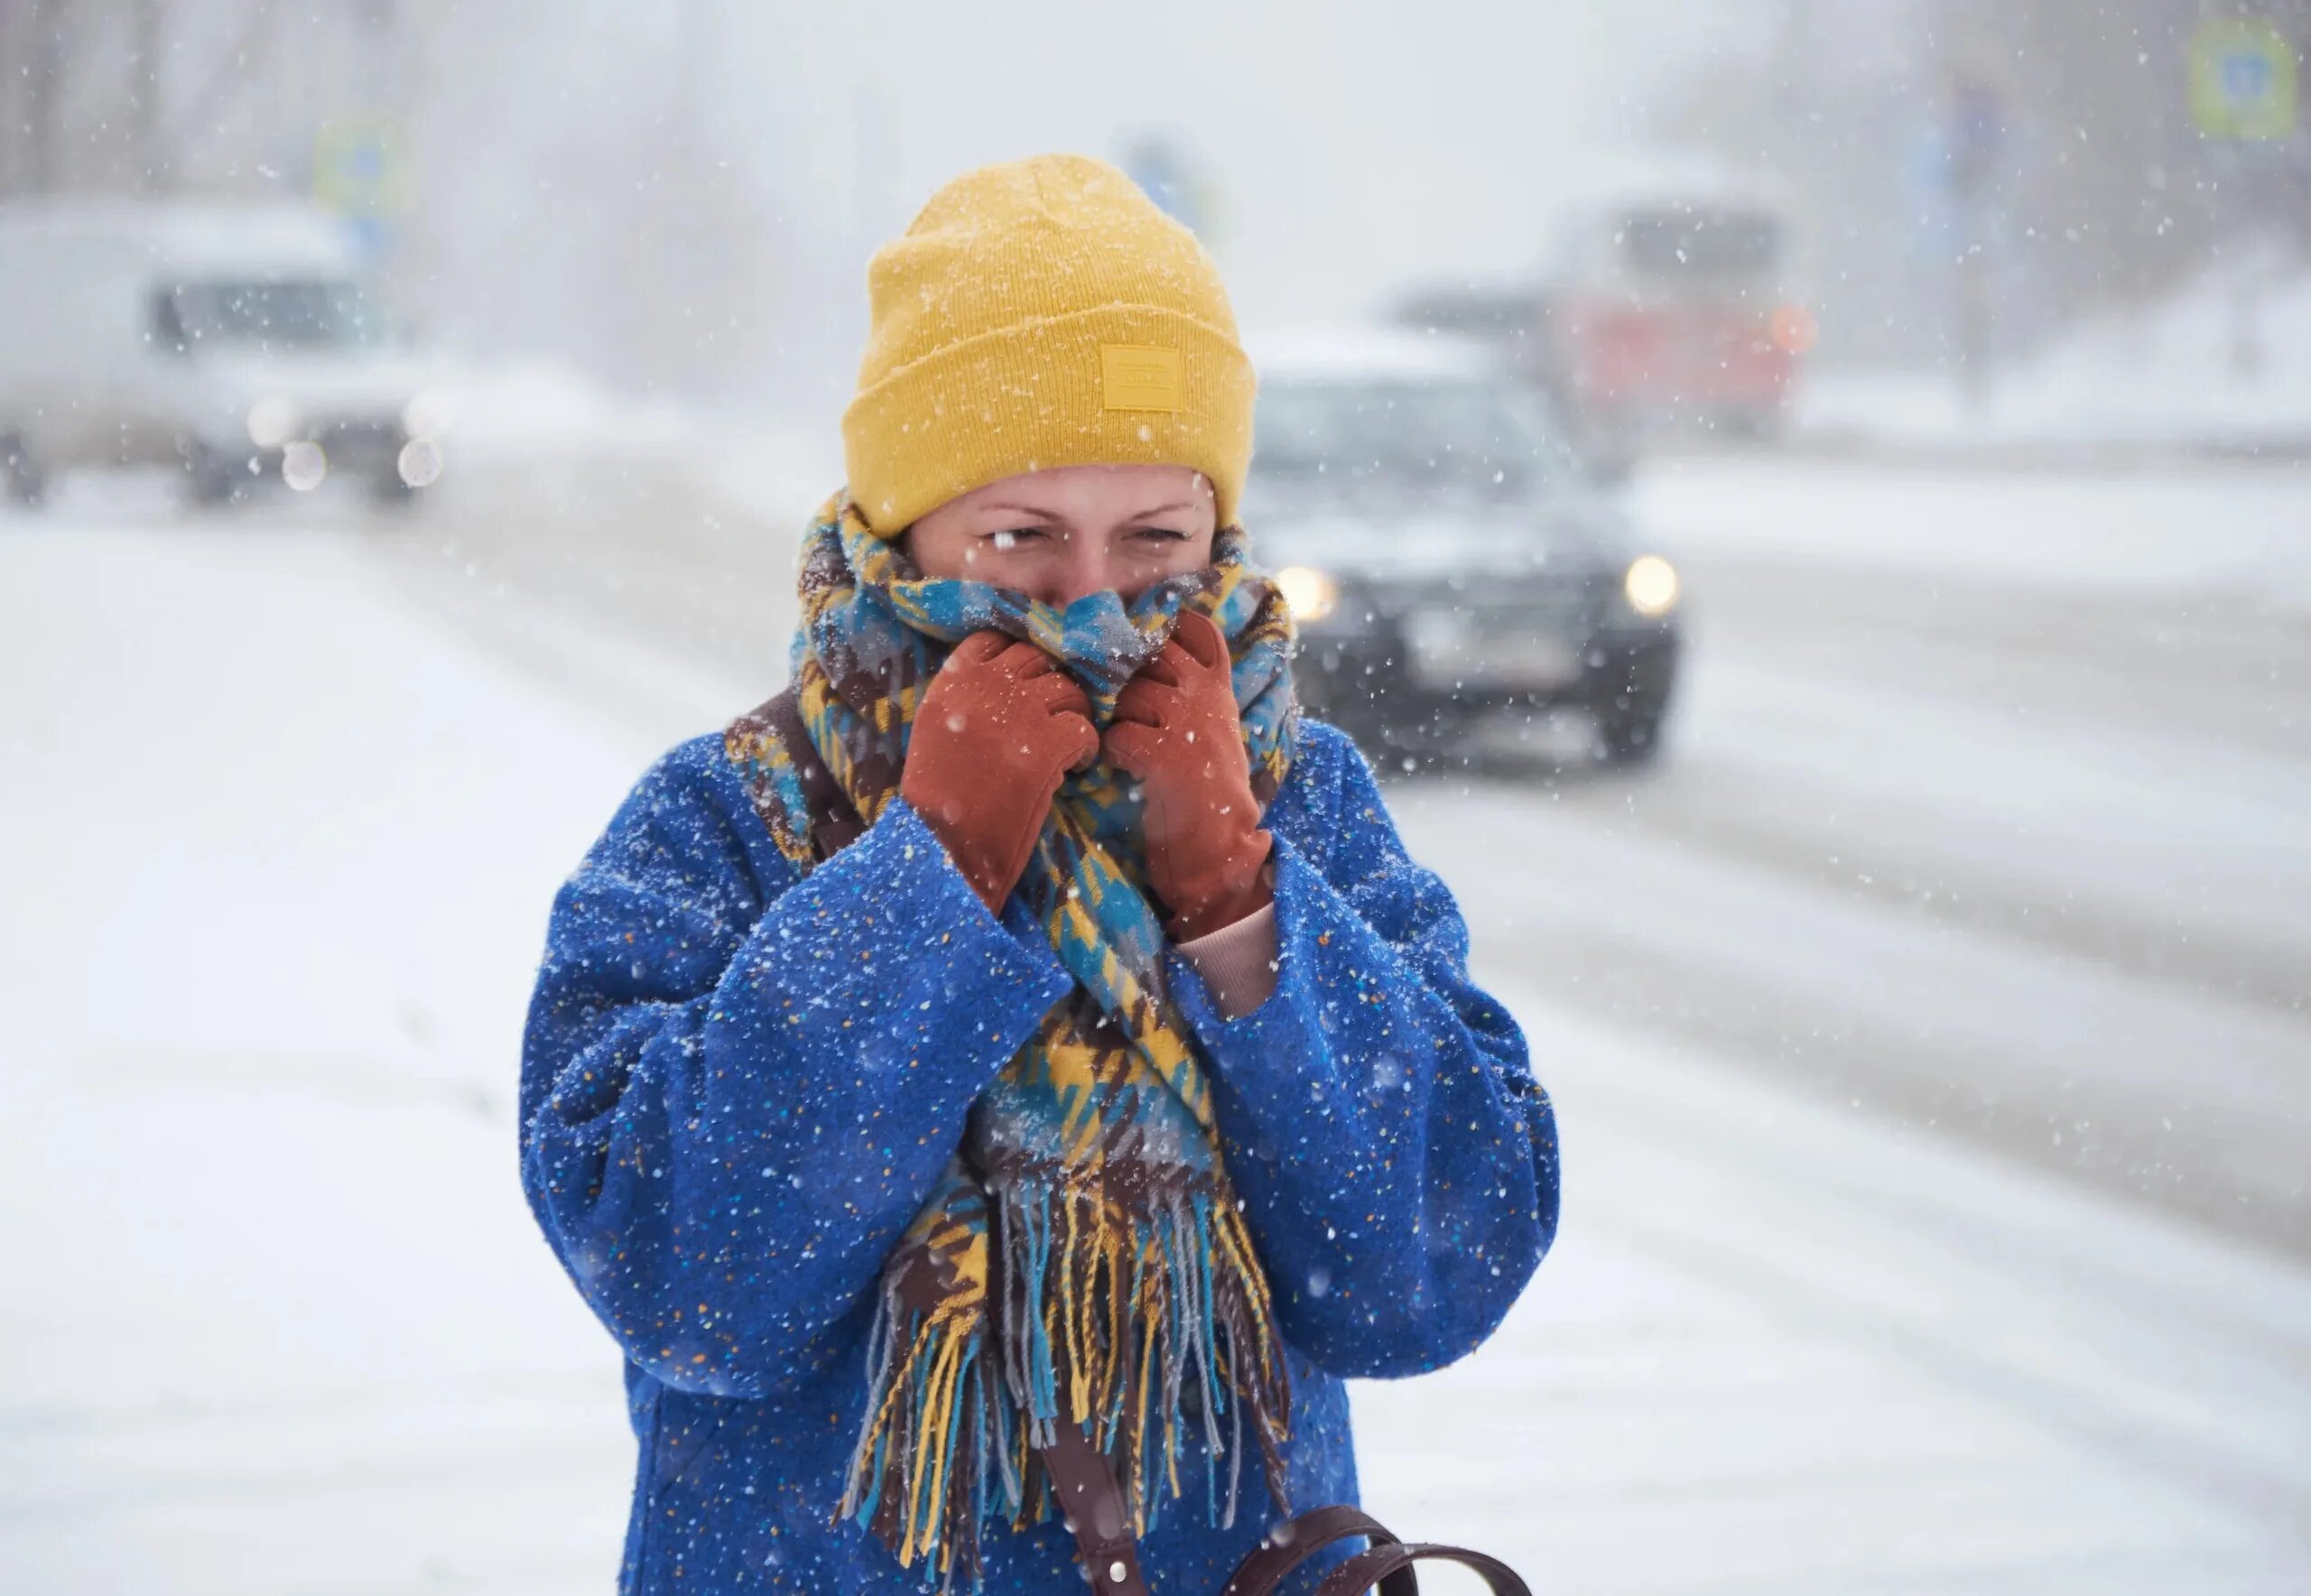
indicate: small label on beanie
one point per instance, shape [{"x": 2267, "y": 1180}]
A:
[{"x": 1141, "y": 376}]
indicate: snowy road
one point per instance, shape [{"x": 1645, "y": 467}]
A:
[
  {"x": 1985, "y": 808},
  {"x": 1963, "y": 833}
]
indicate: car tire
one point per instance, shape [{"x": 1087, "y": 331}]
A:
[
  {"x": 387, "y": 491},
  {"x": 21, "y": 481},
  {"x": 1630, "y": 739},
  {"x": 1754, "y": 426},
  {"x": 210, "y": 477}
]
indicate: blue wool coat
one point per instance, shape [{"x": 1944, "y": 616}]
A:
[{"x": 738, "y": 1083}]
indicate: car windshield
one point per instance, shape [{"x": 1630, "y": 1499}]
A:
[
  {"x": 322, "y": 312},
  {"x": 1488, "y": 435},
  {"x": 1694, "y": 244}
]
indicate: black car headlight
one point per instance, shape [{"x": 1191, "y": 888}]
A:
[{"x": 1649, "y": 587}]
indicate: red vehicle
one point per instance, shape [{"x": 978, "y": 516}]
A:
[
  {"x": 1672, "y": 311},
  {"x": 1665, "y": 308}
]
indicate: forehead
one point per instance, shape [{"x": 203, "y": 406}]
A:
[{"x": 1091, "y": 492}]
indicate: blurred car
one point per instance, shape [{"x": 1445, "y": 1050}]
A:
[
  {"x": 1666, "y": 304},
  {"x": 1452, "y": 567},
  {"x": 240, "y": 344},
  {"x": 1670, "y": 306}
]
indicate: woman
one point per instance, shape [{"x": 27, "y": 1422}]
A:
[{"x": 1024, "y": 1044}]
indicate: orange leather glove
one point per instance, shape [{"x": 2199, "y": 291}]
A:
[
  {"x": 999, "y": 728},
  {"x": 1176, "y": 728}
]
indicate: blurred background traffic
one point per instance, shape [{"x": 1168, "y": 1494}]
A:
[{"x": 1808, "y": 504}]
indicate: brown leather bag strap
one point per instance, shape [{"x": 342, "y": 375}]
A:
[
  {"x": 1094, "y": 1506},
  {"x": 834, "y": 824},
  {"x": 1093, "y": 1503},
  {"x": 829, "y": 822},
  {"x": 1386, "y": 1564},
  {"x": 1285, "y": 1549}
]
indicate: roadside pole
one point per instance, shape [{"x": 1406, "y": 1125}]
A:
[
  {"x": 2241, "y": 74},
  {"x": 1975, "y": 136}
]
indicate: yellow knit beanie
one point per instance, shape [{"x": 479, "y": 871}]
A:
[{"x": 1037, "y": 314}]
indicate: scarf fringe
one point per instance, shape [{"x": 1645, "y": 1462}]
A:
[{"x": 1100, "y": 1311}]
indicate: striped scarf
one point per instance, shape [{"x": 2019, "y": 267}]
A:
[{"x": 1082, "y": 1255}]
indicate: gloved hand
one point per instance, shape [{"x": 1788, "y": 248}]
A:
[
  {"x": 998, "y": 729},
  {"x": 1176, "y": 728}
]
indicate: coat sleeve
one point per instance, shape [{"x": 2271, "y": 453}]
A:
[
  {"x": 1397, "y": 1162},
  {"x": 739, "y": 1084}
]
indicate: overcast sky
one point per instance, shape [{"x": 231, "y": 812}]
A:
[
  {"x": 1347, "y": 147},
  {"x": 1348, "y": 143}
]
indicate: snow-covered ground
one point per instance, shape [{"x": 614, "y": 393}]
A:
[
  {"x": 2164, "y": 378},
  {"x": 290, "y": 794},
  {"x": 276, "y": 1319}
]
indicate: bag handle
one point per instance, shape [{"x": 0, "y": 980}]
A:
[
  {"x": 1386, "y": 1564},
  {"x": 1264, "y": 1569},
  {"x": 1093, "y": 1504}
]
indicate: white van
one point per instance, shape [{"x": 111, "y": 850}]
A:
[{"x": 239, "y": 344}]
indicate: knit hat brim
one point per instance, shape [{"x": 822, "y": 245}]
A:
[{"x": 1034, "y": 396}]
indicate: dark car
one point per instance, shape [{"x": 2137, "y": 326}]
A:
[{"x": 1457, "y": 576}]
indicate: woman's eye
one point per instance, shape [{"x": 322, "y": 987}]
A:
[
  {"x": 1010, "y": 538},
  {"x": 1161, "y": 534}
]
